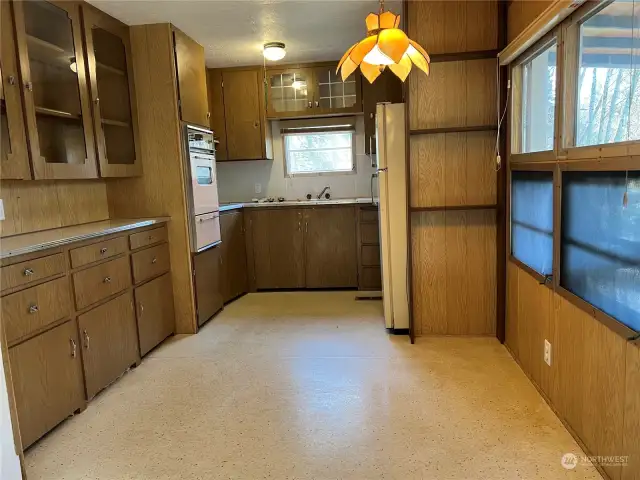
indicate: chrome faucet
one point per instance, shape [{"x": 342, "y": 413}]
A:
[{"x": 321, "y": 194}]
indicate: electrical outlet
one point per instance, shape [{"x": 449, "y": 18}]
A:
[
  {"x": 547, "y": 352},
  {"x": 1, "y": 209},
  {"x": 258, "y": 188}
]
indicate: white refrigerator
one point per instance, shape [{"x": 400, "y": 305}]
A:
[{"x": 392, "y": 192}]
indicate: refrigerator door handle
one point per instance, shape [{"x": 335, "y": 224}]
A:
[{"x": 385, "y": 169}]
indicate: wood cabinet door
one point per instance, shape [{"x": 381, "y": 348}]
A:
[
  {"x": 290, "y": 92},
  {"x": 330, "y": 247},
  {"x": 208, "y": 269},
  {"x": 234, "y": 256},
  {"x": 109, "y": 342},
  {"x": 192, "y": 80},
  {"x": 331, "y": 95},
  {"x": 56, "y": 94},
  {"x": 14, "y": 159},
  {"x": 278, "y": 248},
  {"x": 216, "y": 107},
  {"x": 154, "y": 311},
  {"x": 386, "y": 88},
  {"x": 243, "y": 112},
  {"x": 112, "y": 93},
  {"x": 47, "y": 380}
]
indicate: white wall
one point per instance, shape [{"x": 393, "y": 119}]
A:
[
  {"x": 236, "y": 180},
  {"x": 9, "y": 461}
]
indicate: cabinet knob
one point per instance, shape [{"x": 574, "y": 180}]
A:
[
  {"x": 256, "y": 124},
  {"x": 29, "y": 86},
  {"x": 33, "y": 309},
  {"x": 12, "y": 80},
  {"x": 155, "y": 260},
  {"x": 141, "y": 309},
  {"x": 74, "y": 348},
  {"x": 96, "y": 101},
  {"x": 86, "y": 339},
  {"x": 310, "y": 104},
  {"x": 208, "y": 115},
  {"x": 28, "y": 272},
  {"x": 103, "y": 250},
  {"x": 107, "y": 279},
  {"x": 317, "y": 103}
]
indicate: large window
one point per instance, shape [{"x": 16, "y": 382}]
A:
[
  {"x": 600, "y": 246},
  {"x": 608, "y": 90},
  {"x": 532, "y": 219},
  {"x": 322, "y": 152},
  {"x": 539, "y": 101}
]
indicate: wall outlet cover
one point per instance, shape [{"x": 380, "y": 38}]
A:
[
  {"x": 1, "y": 209},
  {"x": 258, "y": 188},
  {"x": 547, "y": 352}
]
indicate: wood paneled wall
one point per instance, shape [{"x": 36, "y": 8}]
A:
[
  {"x": 160, "y": 190},
  {"x": 593, "y": 382},
  {"x": 453, "y": 252},
  {"x": 32, "y": 206},
  {"x": 521, "y": 13}
]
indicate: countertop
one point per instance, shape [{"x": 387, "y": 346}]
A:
[
  {"x": 36, "y": 241},
  {"x": 297, "y": 203}
]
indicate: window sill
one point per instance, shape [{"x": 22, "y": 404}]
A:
[
  {"x": 596, "y": 152},
  {"x": 531, "y": 157}
]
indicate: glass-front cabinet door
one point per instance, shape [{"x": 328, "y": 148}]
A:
[
  {"x": 56, "y": 97},
  {"x": 332, "y": 95},
  {"x": 14, "y": 159},
  {"x": 289, "y": 93},
  {"x": 112, "y": 94}
]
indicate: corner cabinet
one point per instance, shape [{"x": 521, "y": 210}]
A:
[
  {"x": 112, "y": 94},
  {"x": 312, "y": 90},
  {"x": 56, "y": 97},
  {"x": 192, "y": 80}
]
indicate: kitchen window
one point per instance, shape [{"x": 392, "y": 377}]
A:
[{"x": 319, "y": 150}]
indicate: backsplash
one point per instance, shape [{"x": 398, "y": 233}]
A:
[{"x": 237, "y": 180}]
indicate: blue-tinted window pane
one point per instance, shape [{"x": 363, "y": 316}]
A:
[
  {"x": 532, "y": 219},
  {"x": 601, "y": 242}
]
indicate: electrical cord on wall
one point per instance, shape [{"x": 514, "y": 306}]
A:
[{"x": 501, "y": 117}]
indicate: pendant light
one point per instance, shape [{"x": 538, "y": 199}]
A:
[{"x": 385, "y": 46}]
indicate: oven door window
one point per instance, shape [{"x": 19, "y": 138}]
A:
[{"x": 204, "y": 175}]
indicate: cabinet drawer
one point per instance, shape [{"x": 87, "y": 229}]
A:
[
  {"x": 370, "y": 255},
  {"x": 370, "y": 233},
  {"x": 371, "y": 279},
  {"x": 148, "y": 237},
  {"x": 97, "y": 251},
  {"x": 150, "y": 263},
  {"x": 27, "y": 272},
  {"x": 33, "y": 309},
  {"x": 94, "y": 284},
  {"x": 368, "y": 215}
]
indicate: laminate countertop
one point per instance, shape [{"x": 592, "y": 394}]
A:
[
  {"x": 36, "y": 241},
  {"x": 297, "y": 203}
]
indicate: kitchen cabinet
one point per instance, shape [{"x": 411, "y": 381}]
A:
[
  {"x": 154, "y": 309},
  {"x": 330, "y": 247},
  {"x": 14, "y": 158},
  {"x": 278, "y": 248},
  {"x": 192, "y": 80},
  {"x": 310, "y": 90},
  {"x": 55, "y": 91},
  {"x": 369, "y": 270},
  {"x": 109, "y": 342},
  {"x": 47, "y": 391},
  {"x": 386, "y": 88},
  {"x": 239, "y": 119},
  {"x": 234, "y": 255},
  {"x": 112, "y": 94},
  {"x": 207, "y": 267}
]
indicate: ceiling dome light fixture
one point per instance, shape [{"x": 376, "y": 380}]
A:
[
  {"x": 274, "y": 51},
  {"x": 385, "y": 46}
]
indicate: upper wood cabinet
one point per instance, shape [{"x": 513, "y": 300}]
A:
[
  {"x": 14, "y": 158},
  {"x": 112, "y": 93},
  {"x": 305, "y": 91},
  {"x": 54, "y": 84},
  {"x": 192, "y": 80}
]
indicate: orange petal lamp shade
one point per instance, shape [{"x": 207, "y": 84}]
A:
[{"x": 384, "y": 46}]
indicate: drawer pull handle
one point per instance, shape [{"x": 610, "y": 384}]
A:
[
  {"x": 155, "y": 260},
  {"x": 103, "y": 250},
  {"x": 28, "y": 272},
  {"x": 86, "y": 339},
  {"x": 74, "y": 348},
  {"x": 107, "y": 279},
  {"x": 150, "y": 238},
  {"x": 33, "y": 309},
  {"x": 141, "y": 309}
]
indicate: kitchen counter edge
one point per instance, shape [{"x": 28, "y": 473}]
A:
[{"x": 294, "y": 203}]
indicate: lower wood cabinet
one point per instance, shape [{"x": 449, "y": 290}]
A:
[
  {"x": 369, "y": 270},
  {"x": 109, "y": 342},
  {"x": 156, "y": 319},
  {"x": 208, "y": 267},
  {"x": 47, "y": 380},
  {"x": 234, "y": 255}
]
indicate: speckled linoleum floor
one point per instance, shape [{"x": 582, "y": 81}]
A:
[{"x": 310, "y": 386}]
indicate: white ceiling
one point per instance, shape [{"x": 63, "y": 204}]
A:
[{"x": 233, "y": 31}]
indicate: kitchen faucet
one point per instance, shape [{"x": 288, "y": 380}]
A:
[{"x": 321, "y": 194}]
